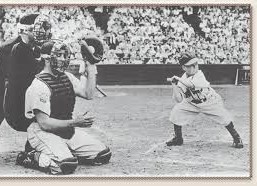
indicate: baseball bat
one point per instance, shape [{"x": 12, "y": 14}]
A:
[{"x": 101, "y": 91}]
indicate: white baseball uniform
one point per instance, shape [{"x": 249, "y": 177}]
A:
[{"x": 202, "y": 99}]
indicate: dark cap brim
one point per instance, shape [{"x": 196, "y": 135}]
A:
[{"x": 191, "y": 61}]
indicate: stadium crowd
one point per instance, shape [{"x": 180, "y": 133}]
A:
[
  {"x": 149, "y": 35},
  {"x": 159, "y": 35}
]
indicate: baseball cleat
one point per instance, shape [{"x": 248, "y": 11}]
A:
[
  {"x": 20, "y": 158},
  {"x": 237, "y": 143},
  {"x": 175, "y": 142},
  {"x": 27, "y": 159}
]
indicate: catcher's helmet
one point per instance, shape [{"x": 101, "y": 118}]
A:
[
  {"x": 38, "y": 24},
  {"x": 92, "y": 50},
  {"x": 58, "y": 53}
]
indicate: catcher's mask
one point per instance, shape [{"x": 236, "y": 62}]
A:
[
  {"x": 58, "y": 53},
  {"x": 37, "y": 24},
  {"x": 92, "y": 50}
]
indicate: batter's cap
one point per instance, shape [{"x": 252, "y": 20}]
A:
[{"x": 187, "y": 59}]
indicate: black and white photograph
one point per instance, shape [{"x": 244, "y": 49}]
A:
[{"x": 151, "y": 91}]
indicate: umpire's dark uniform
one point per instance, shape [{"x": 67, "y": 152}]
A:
[
  {"x": 18, "y": 69},
  {"x": 5, "y": 53}
]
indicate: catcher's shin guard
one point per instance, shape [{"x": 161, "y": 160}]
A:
[
  {"x": 237, "y": 143},
  {"x": 102, "y": 157},
  {"x": 177, "y": 140},
  {"x": 68, "y": 165}
]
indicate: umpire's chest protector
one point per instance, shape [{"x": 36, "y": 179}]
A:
[{"x": 62, "y": 98}]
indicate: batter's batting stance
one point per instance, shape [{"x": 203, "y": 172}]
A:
[
  {"x": 58, "y": 140},
  {"x": 193, "y": 95}
]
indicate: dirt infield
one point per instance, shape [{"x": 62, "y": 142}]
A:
[{"x": 133, "y": 121}]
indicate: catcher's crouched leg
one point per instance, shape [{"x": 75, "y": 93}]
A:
[
  {"x": 102, "y": 157},
  {"x": 68, "y": 165},
  {"x": 46, "y": 164},
  {"x": 65, "y": 166}
]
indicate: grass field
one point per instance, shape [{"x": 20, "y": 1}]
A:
[{"x": 133, "y": 121}]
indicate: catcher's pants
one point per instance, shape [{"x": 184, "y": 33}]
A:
[
  {"x": 185, "y": 112},
  {"x": 54, "y": 149}
]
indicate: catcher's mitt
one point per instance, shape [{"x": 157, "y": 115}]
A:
[{"x": 92, "y": 50}]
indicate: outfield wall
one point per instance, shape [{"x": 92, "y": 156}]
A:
[{"x": 155, "y": 74}]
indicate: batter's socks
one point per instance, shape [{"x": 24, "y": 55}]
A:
[
  {"x": 177, "y": 140},
  {"x": 237, "y": 143}
]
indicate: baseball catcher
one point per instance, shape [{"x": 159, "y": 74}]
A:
[
  {"x": 58, "y": 141},
  {"x": 193, "y": 95}
]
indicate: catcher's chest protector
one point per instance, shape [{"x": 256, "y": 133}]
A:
[
  {"x": 19, "y": 66},
  {"x": 62, "y": 99}
]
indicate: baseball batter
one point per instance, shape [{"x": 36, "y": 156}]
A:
[
  {"x": 58, "y": 140},
  {"x": 193, "y": 95}
]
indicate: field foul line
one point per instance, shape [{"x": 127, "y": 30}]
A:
[{"x": 192, "y": 163}]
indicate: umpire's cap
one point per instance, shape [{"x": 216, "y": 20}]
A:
[
  {"x": 26, "y": 22},
  {"x": 187, "y": 59},
  {"x": 95, "y": 55}
]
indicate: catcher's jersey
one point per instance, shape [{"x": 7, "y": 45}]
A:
[
  {"x": 38, "y": 96},
  {"x": 201, "y": 92}
]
